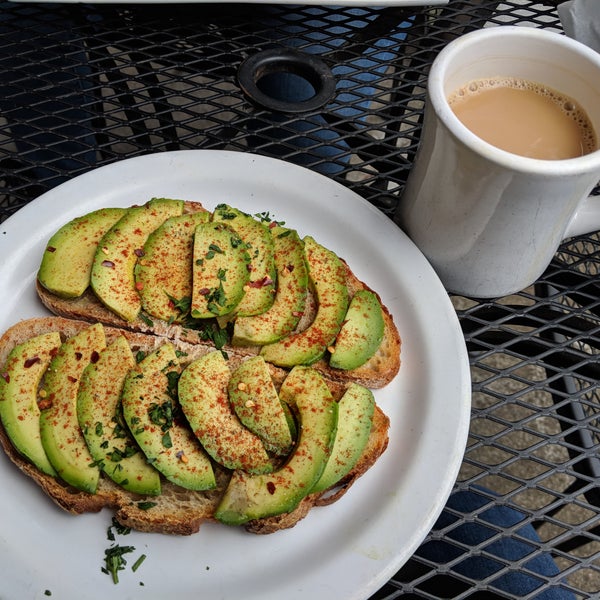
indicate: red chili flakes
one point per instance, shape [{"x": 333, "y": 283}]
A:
[
  {"x": 139, "y": 286},
  {"x": 272, "y": 224},
  {"x": 44, "y": 403},
  {"x": 95, "y": 357},
  {"x": 139, "y": 252},
  {"x": 108, "y": 263},
  {"x": 31, "y": 361},
  {"x": 78, "y": 355},
  {"x": 204, "y": 291},
  {"x": 270, "y": 487},
  {"x": 261, "y": 282},
  {"x": 6, "y": 377},
  {"x": 50, "y": 249},
  {"x": 72, "y": 379}
]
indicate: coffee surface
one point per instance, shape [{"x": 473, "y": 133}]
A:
[{"x": 525, "y": 118}]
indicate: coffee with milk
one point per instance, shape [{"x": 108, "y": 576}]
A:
[{"x": 524, "y": 117}]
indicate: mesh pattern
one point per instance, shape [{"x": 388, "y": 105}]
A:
[{"x": 82, "y": 86}]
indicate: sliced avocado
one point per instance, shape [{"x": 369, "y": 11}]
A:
[
  {"x": 67, "y": 261},
  {"x": 163, "y": 275},
  {"x": 154, "y": 417},
  {"x": 355, "y": 418},
  {"x": 205, "y": 402},
  {"x": 61, "y": 435},
  {"x": 255, "y": 401},
  {"x": 220, "y": 270},
  {"x": 290, "y": 297},
  {"x": 19, "y": 383},
  {"x": 110, "y": 442},
  {"x": 361, "y": 333},
  {"x": 260, "y": 289},
  {"x": 327, "y": 278},
  {"x": 112, "y": 277},
  {"x": 250, "y": 497}
]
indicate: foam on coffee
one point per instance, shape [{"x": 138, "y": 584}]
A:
[{"x": 525, "y": 118}]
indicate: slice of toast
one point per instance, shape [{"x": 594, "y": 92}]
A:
[
  {"x": 377, "y": 372},
  {"x": 176, "y": 510}
]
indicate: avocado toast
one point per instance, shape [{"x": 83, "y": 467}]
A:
[
  {"x": 177, "y": 314},
  {"x": 148, "y": 499}
]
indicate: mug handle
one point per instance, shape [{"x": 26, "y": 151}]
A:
[{"x": 586, "y": 219}]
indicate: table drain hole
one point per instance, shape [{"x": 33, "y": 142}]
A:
[{"x": 286, "y": 80}]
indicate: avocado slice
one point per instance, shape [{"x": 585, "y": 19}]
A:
[
  {"x": 327, "y": 278},
  {"x": 61, "y": 435},
  {"x": 255, "y": 401},
  {"x": 220, "y": 270},
  {"x": 203, "y": 388},
  {"x": 154, "y": 417},
  {"x": 99, "y": 414},
  {"x": 355, "y": 419},
  {"x": 290, "y": 297},
  {"x": 250, "y": 497},
  {"x": 67, "y": 261},
  {"x": 260, "y": 289},
  {"x": 19, "y": 383},
  {"x": 361, "y": 334},
  {"x": 112, "y": 276},
  {"x": 163, "y": 275}
]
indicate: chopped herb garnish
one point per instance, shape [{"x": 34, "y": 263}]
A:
[
  {"x": 140, "y": 355},
  {"x": 172, "y": 380},
  {"x": 182, "y": 304},
  {"x": 215, "y": 248},
  {"x": 265, "y": 217},
  {"x": 146, "y": 320},
  {"x": 146, "y": 505},
  {"x": 166, "y": 440},
  {"x": 161, "y": 414},
  {"x": 97, "y": 463},
  {"x": 120, "y": 529},
  {"x": 136, "y": 565},
  {"x": 114, "y": 561}
]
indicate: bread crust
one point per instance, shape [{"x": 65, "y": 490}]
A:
[{"x": 177, "y": 510}]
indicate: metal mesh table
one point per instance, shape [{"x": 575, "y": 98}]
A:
[{"x": 86, "y": 85}]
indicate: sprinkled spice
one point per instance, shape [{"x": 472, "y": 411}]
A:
[{"x": 31, "y": 361}]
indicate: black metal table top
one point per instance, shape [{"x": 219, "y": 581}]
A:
[{"x": 86, "y": 85}]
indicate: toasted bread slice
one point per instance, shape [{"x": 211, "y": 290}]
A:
[
  {"x": 375, "y": 373},
  {"x": 175, "y": 510}
]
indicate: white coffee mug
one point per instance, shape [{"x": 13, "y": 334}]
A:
[{"x": 490, "y": 221}]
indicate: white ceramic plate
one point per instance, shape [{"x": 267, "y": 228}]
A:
[{"x": 344, "y": 551}]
